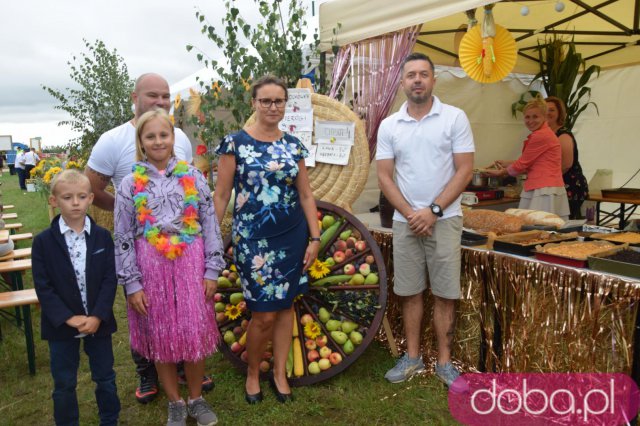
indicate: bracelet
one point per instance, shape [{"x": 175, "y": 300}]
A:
[{"x": 315, "y": 239}]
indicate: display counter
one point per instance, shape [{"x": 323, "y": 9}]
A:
[{"x": 521, "y": 314}]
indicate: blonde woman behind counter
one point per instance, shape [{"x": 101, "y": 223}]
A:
[{"x": 541, "y": 160}]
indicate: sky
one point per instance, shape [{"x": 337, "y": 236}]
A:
[{"x": 39, "y": 37}]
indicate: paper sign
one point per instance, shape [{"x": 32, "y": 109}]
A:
[
  {"x": 299, "y": 99},
  {"x": 310, "y": 161},
  {"x": 335, "y": 132},
  {"x": 305, "y": 137},
  {"x": 297, "y": 121},
  {"x": 333, "y": 154}
]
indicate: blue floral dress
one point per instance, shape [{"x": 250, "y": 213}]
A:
[{"x": 270, "y": 232}]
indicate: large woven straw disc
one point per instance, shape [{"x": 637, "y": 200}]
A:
[{"x": 339, "y": 185}]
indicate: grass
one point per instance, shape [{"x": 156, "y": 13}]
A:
[{"x": 358, "y": 396}]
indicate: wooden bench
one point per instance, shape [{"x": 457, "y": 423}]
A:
[
  {"x": 14, "y": 269},
  {"x": 21, "y": 237},
  {"x": 22, "y": 299},
  {"x": 6, "y": 216},
  {"x": 13, "y": 227},
  {"x": 8, "y": 206},
  {"x": 16, "y": 254}
]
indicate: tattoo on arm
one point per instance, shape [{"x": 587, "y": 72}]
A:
[{"x": 104, "y": 178}]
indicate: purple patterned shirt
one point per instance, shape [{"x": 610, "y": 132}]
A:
[{"x": 166, "y": 200}]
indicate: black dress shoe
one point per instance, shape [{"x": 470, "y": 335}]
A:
[
  {"x": 253, "y": 399},
  {"x": 281, "y": 397}
]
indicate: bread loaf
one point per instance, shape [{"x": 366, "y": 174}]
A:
[
  {"x": 492, "y": 221},
  {"x": 537, "y": 217}
]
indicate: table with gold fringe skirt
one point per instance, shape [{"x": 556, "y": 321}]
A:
[{"x": 518, "y": 314}]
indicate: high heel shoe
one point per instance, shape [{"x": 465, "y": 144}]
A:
[
  {"x": 281, "y": 397},
  {"x": 253, "y": 399}
]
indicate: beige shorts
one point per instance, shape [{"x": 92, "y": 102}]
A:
[{"x": 438, "y": 254}]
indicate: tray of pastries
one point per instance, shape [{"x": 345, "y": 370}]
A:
[
  {"x": 632, "y": 238},
  {"x": 624, "y": 261},
  {"x": 572, "y": 253},
  {"x": 524, "y": 243}
]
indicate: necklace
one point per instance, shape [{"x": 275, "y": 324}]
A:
[{"x": 171, "y": 246}]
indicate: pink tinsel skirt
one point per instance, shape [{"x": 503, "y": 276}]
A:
[{"x": 181, "y": 324}]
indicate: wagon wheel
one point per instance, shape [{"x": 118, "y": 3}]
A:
[{"x": 346, "y": 306}]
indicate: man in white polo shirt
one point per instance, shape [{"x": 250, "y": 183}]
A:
[
  {"x": 429, "y": 147},
  {"x": 111, "y": 160}
]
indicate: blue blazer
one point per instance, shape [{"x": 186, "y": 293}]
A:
[{"x": 57, "y": 287}]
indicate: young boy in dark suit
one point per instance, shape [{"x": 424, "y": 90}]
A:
[{"x": 74, "y": 276}]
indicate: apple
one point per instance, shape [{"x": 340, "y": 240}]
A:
[
  {"x": 349, "y": 269},
  {"x": 310, "y": 344},
  {"x": 321, "y": 341},
  {"x": 357, "y": 279},
  {"x": 244, "y": 324},
  {"x": 335, "y": 358},
  {"x": 314, "y": 368},
  {"x": 244, "y": 356},
  {"x": 324, "y": 364},
  {"x": 306, "y": 319},
  {"x": 264, "y": 366},
  {"x": 348, "y": 253},
  {"x": 267, "y": 355},
  {"x": 361, "y": 245},
  {"x": 313, "y": 355},
  {"x": 237, "y": 331},
  {"x": 223, "y": 282},
  {"x": 236, "y": 347},
  {"x": 324, "y": 352},
  {"x": 370, "y": 259},
  {"x": 330, "y": 261},
  {"x": 365, "y": 269},
  {"x": 220, "y": 317},
  {"x": 319, "y": 214},
  {"x": 229, "y": 337},
  {"x": 340, "y": 245},
  {"x": 226, "y": 273},
  {"x": 219, "y": 307},
  {"x": 217, "y": 297},
  {"x": 233, "y": 276},
  {"x": 230, "y": 251},
  {"x": 351, "y": 242},
  {"x": 339, "y": 256}
]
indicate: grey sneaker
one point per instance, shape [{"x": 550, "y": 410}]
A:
[
  {"x": 177, "y": 413},
  {"x": 202, "y": 412},
  {"x": 404, "y": 369},
  {"x": 451, "y": 377}
]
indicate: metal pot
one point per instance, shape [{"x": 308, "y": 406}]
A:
[
  {"x": 478, "y": 179},
  {"x": 494, "y": 181}
]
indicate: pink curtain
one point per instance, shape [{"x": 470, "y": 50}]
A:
[{"x": 367, "y": 74}]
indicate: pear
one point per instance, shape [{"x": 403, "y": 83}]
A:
[
  {"x": 371, "y": 279},
  {"x": 349, "y": 326},
  {"x": 236, "y": 298},
  {"x": 223, "y": 282},
  {"x": 229, "y": 337},
  {"x": 324, "y": 315},
  {"x": 357, "y": 279},
  {"x": 333, "y": 325},
  {"x": 355, "y": 337},
  {"x": 220, "y": 307},
  {"x": 348, "y": 347},
  {"x": 339, "y": 337},
  {"x": 327, "y": 221}
]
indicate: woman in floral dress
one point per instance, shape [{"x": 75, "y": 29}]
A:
[{"x": 275, "y": 232}]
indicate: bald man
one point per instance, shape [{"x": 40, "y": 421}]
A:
[{"x": 112, "y": 158}]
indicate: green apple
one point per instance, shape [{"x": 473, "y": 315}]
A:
[
  {"x": 327, "y": 221},
  {"x": 324, "y": 364},
  {"x": 220, "y": 307},
  {"x": 236, "y": 298},
  {"x": 314, "y": 368},
  {"x": 339, "y": 337},
  {"x": 229, "y": 337}
]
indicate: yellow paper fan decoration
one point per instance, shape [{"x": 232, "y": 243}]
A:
[{"x": 504, "y": 50}]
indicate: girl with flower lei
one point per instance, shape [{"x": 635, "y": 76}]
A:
[{"x": 168, "y": 257}]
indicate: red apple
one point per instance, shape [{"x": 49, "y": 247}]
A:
[
  {"x": 244, "y": 356},
  {"x": 225, "y": 273},
  {"x": 310, "y": 344},
  {"x": 351, "y": 242},
  {"x": 217, "y": 297},
  {"x": 306, "y": 319},
  {"x": 348, "y": 253},
  {"x": 267, "y": 355},
  {"x": 361, "y": 245},
  {"x": 236, "y": 347},
  {"x": 313, "y": 355},
  {"x": 321, "y": 341},
  {"x": 244, "y": 324},
  {"x": 319, "y": 213},
  {"x": 324, "y": 352},
  {"x": 349, "y": 269},
  {"x": 335, "y": 358},
  {"x": 370, "y": 259},
  {"x": 221, "y": 317},
  {"x": 365, "y": 269},
  {"x": 230, "y": 251},
  {"x": 238, "y": 331},
  {"x": 242, "y": 305},
  {"x": 339, "y": 256},
  {"x": 340, "y": 245},
  {"x": 264, "y": 366}
]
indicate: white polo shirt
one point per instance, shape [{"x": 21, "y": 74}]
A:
[
  {"x": 115, "y": 152},
  {"x": 423, "y": 152}
]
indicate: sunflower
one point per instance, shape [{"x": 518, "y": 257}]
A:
[
  {"x": 50, "y": 174},
  {"x": 318, "y": 269},
  {"x": 312, "y": 329},
  {"x": 232, "y": 311}
]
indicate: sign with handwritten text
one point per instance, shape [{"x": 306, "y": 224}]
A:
[
  {"x": 310, "y": 161},
  {"x": 333, "y": 154},
  {"x": 335, "y": 132},
  {"x": 299, "y": 99},
  {"x": 305, "y": 137},
  {"x": 295, "y": 121}
]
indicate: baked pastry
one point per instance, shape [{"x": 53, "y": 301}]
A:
[
  {"x": 576, "y": 249},
  {"x": 537, "y": 217},
  {"x": 483, "y": 220},
  {"x": 619, "y": 237}
]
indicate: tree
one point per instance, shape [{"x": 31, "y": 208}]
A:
[
  {"x": 101, "y": 99},
  {"x": 275, "y": 47}
]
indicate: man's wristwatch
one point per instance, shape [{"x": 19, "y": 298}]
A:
[{"x": 436, "y": 209}]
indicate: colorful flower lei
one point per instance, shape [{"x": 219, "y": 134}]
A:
[{"x": 171, "y": 246}]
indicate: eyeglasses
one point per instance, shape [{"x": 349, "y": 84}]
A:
[{"x": 266, "y": 103}]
